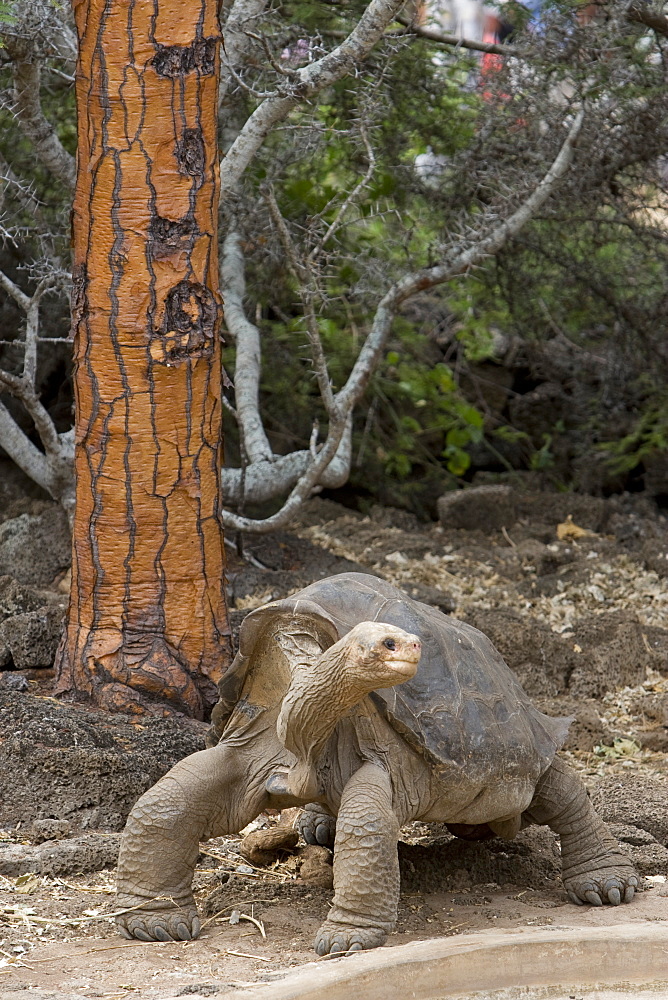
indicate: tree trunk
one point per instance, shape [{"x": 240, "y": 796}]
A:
[{"x": 147, "y": 628}]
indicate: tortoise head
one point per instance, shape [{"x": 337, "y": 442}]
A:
[{"x": 378, "y": 655}]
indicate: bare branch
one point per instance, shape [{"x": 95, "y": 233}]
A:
[
  {"x": 410, "y": 284},
  {"x": 20, "y": 297},
  {"x": 642, "y": 13},
  {"x": 441, "y": 38},
  {"x": 307, "y": 293},
  {"x": 21, "y": 450},
  {"x": 349, "y": 395},
  {"x": 24, "y": 392},
  {"x": 331, "y": 468},
  {"x": 32, "y": 330},
  {"x": 308, "y": 81},
  {"x": 336, "y": 223},
  {"x": 249, "y": 356},
  {"x": 35, "y": 126},
  {"x": 237, "y": 44},
  {"x": 264, "y": 481}
]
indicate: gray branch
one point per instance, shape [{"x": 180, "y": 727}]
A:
[
  {"x": 249, "y": 355},
  {"x": 367, "y": 361},
  {"x": 37, "y": 129},
  {"x": 307, "y": 81},
  {"x": 264, "y": 480}
]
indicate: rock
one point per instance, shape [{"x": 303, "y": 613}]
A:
[
  {"x": 17, "y": 599},
  {"x": 649, "y": 857},
  {"x": 603, "y": 652},
  {"x": 614, "y": 654},
  {"x": 634, "y": 800},
  {"x": 32, "y": 638},
  {"x": 553, "y": 509},
  {"x": 10, "y": 680},
  {"x": 34, "y": 548},
  {"x": 60, "y": 761},
  {"x": 541, "y": 659},
  {"x": 50, "y": 829},
  {"x": 485, "y": 508},
  {"x": 587, "y": 729},
  {"x": 89, "y": 853},
  {"x": 316, "y": 867}
]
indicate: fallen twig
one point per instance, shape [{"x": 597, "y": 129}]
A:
[{"x": 243, "y": 954}]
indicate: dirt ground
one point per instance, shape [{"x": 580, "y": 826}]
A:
[{"x": 579, "y": 614}]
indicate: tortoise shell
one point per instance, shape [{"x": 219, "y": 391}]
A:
[{"x": 464, "y": 710}]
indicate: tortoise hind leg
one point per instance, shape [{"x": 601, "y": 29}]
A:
[
  {"x": 317, "y": 825},
  {"x": 595, "y": 870}
]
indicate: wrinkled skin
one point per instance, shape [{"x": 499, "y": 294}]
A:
[
  {"x": 219, "y": 791},
  {"x": 360, "y": 781}
]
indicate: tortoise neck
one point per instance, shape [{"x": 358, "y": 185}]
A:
[{"x": 320, "y": 693}]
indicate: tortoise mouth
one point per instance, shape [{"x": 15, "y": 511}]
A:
[{"x": 402, "y": 666}]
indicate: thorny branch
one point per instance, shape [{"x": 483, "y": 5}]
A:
[
  {"x": 304, "y": 275},
  {"x": 345, "y": 400},
  {"x": 307, "y": 81},
  {"x": 35, "y": 126},
  {"x": 52, "y": 469},
  {"x": 338, "y": 219}
]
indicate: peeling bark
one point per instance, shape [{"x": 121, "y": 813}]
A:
[{"x": 147, "y": 627}]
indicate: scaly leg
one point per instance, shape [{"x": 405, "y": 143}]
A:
[
  {"x": 366, "y": 866},
  {"x": 205, "y": 795},
  {"x": 595, "y": 869}
]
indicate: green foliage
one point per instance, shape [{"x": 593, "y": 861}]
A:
[
  {"x": 6, "y": 13},
  {"x": 424, "y": 402},
  {"x": 648, "y": 436}
]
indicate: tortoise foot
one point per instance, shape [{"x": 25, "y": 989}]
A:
[
  {"x": 178, "y": 923},
  {"x": 317, "y": 826},
  {"x": 338, "y": 939},
  {"x": 606, "y": 885}
]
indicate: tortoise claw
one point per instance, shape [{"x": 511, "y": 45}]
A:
[
  {"x": 340, "y": 939},
  {"x": 613, "y": 885},
  {"x": 316, "y": 826},
  {"x": 141, "y": 934},
  {"x": 172, "y": 923}
]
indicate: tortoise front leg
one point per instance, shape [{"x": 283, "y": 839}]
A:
[
  {"x": 595, "y": 869},
  {"x": 366, "y": 866},
  {"x": 205, "y": 795}
]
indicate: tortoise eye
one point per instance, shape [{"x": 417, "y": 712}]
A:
[{"x": 390, "y": 644}]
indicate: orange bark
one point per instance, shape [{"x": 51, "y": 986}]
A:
[{"x": 147, "y": 628}]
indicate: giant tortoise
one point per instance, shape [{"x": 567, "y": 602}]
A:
[{"x": 325, "y": 704}]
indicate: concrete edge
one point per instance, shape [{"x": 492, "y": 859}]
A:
[{"x": 441, "y": 967}]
